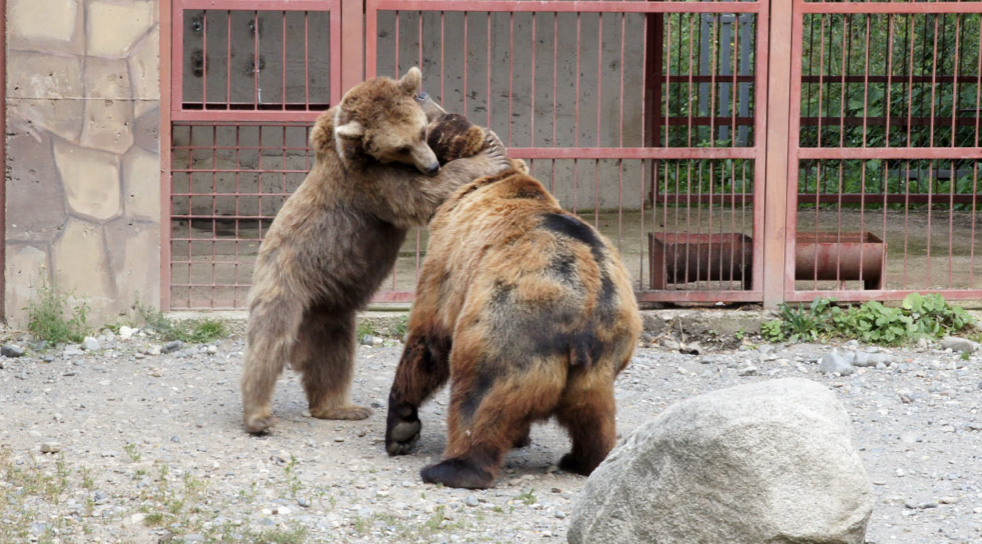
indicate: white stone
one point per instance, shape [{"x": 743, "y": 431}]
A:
[
  {"x": 115, "y": 28},
  {"x": 91, "y": 180},
  {"x": 765, "y": 462},
  {"x": 126, "y": 332}
]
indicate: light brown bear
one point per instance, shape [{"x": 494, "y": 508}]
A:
[
  {"x": 529, "y": 312},
  {"x": 338, "y": 236}
]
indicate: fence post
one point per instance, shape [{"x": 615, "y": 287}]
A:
[
  {"x": 776, "y": 166},
  {"x": 352, "y": 43}
]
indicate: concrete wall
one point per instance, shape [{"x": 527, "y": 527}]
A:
[{"x": 83, "y": 152}]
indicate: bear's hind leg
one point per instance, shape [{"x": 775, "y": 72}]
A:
[
  {"x": 491, "y": 410},
  {"x": 422, "y": 370},
  {"x": 272, "y": 333},
  {"x": 587, "y": 410},
  {"x": 325, "y": 354}
]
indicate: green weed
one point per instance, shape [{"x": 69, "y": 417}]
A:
[
  {"x": 48, "y": 316},
  {"x": 919, "y": 316}
]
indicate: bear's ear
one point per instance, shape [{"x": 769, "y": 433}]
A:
[
  {"x": 352, "y": 130},
  {"x": 410, "y": 82}
]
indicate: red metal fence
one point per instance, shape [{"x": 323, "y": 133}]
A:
[
  {"x": 668, "y": 125},
  {"x": 884, "y": 148}
]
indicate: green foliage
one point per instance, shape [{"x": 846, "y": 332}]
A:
[
  {"x": 48, "y": 317},
  {"x": 920, "y": 316},
  {"x": 365, "y": 327},
  {"x": 528, "y": 497},
  {"x": 192, "y": 331},
  {"x": 402, "y": 326}
]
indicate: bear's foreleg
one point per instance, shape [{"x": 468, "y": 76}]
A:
[
  {"x": 273, "y": 327},
  {"x": 422, "y": 370},
  {"x": 325, "y": 354}
]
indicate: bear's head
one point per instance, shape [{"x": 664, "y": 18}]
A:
[{"x": 382, "y": 119}]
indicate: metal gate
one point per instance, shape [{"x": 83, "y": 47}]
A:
[
  {"x": 628, "y": 111},
  {"x": 884, "y": 149}
]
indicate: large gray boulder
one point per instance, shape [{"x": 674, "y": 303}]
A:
[{"x": 769, "y": 462}]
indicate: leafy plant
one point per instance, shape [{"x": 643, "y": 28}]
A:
[
  {"x": 193, "y": 331},
  {"x": 48, "y": 317},
  {"x": 919, "y": 316}
]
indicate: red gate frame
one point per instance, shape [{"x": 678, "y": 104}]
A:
[
  {"x": 795, "y": 152},
  {"x": 757, "y": 152},
  {"x": 171, "y": 90}
]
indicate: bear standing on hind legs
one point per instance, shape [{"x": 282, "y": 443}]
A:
[
  {"x": 338, "y": 236},
  {"x": 530, "y": 314}
]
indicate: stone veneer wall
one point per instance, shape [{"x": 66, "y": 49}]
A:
[{"x": 83, "y": 152}]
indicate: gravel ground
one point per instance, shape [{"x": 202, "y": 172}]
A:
[{"x": 149, "y": 448}]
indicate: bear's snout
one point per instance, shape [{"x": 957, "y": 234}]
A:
[{"x": 431, "y": 170}]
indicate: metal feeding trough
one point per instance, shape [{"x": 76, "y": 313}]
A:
[
  {"x": 840, "y": 256},
  {"x": 681, "y": 258}
]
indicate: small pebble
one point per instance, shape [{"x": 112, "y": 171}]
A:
[
  {"x": 172, "y": 346},
  {"x": 11, "y": 350},
  {"x": 560, "y": 514},
  {"x": 304, "y": 502},
  {"x": 471, "y": 500},
  {"x": 50, "y": 447}
]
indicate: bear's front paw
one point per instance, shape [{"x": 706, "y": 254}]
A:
[
  {"x": 258, "y": 424},
  {"x": 401, "y": 437},
  {"x": 495, "y": 151}
]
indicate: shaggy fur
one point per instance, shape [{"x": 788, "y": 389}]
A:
[
  {"x": 529, "y": 313},
  {"x": 338, "y": 236}
]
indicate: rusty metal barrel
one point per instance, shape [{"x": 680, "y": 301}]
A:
[
  {"x": 681, "y": 258},
  {"x": 840, "y": 256}
]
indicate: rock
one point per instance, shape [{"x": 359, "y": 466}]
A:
[
  {"x": 693, "y": 348},
  {"x": 173, "y": 346},
  {"x": 303, "y": 502},
  {"x": 50, "y": 447},
  {"x": 471, "y": 500},
  {"x": 90, "y": 344},
  {"x": 560, "y": 514},
  {"x": 126, "y": 332},
  {"x": 748, "y": 371},
  {"x": 71, "y": 350},
  {"x": 211, "y": 350},
  {"x": 962, "y": 345},
  {"x": 765, "y": 462},
  {"x": 670, "y": 344},
  {"x": 11, "y": 350},
  {"x": 835, "y": 363}
]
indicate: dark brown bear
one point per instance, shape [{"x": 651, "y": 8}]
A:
[
  {"x": 338, "y": 236},
  {"x": 529, "y": 312}
]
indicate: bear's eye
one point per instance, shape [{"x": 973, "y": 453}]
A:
[{"x": 403, "y": 150}]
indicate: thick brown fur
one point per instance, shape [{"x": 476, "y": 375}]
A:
[
  {"x": 529, "y": 313},
  {"x": 338, "y": 236}
]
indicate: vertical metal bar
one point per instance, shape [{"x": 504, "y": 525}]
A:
[
  {"x": 644, "y": 81},
  {"x": 862, "y": 173},
  {"x": 888, "y": 104},
  {"x": 306, "y": 60},
  {"x": 395, "y": 54},
  {"x": 466, "y": 111},
  {"x": 783, "y": 83},
  {"x": 214, "y": 212},
  {"x": 511, "y": 70},
  {"x": 336, "y": 45},
  {"x": 488, "y": 95},
  {"x": 532, "y": 97},
  {"x": 168, "y": 13},
  {"x": 255, "y": 59},
  {"x": 576, "y": 117},
  {"x": 600, "y": 86},
  {"x": 228, "y": 59},
  {"x": 443, "y": 41},
  {"x": 906, "y": 215},
  {"x": 204, "y": 60},
  {"x": 283, "y": 70},
  {"x": 371, "y": 37},
  {"x": 353, "y": 40}
]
